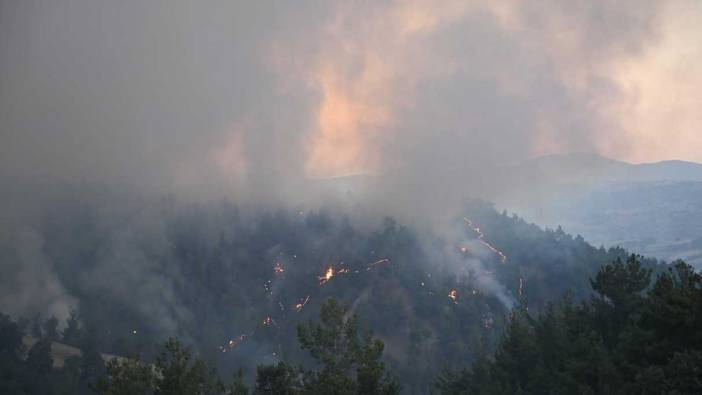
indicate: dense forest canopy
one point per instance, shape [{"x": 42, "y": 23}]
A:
[
  {"x": 235, "y": 285},
  {"x": 291, "y": 197},
  {"x": 637, "y": 335}
]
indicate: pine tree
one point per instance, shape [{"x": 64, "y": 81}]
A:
[{"x": 72, "y": 333}]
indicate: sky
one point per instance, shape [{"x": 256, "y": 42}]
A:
[{"x": 249, "y": 98}]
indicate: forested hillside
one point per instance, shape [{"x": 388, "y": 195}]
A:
[
  {"x": 235, "y": 285},
  {"x": 654, "y": 209},
  {"x": 638, "y": 335}
]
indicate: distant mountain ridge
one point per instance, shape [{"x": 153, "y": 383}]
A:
[
  {"x": 592, "y": 167},
  {"x": 650, "y": 208}
]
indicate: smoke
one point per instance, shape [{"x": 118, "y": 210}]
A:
[
  {"x": 251, "y": 100},
  {"x": 134, "y": 269},
  {"x": 30, "y": 286},
  {"x": 267, "y": 104},
  {"x": 472, "y": 258}
]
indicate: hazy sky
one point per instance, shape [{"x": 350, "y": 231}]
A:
[{"x": 247, "y": 95}]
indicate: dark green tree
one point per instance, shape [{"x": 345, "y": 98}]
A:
[
  {"x": 72, "y": 333},
  {"x": 127, "y": 376},
  {"x": 39, "y": 358},
  {"x": 179, "y": 374},
  {"x": 39, "y": 367},
  {"x": 277, "y": 379},
  {"x": 36, "y": 327},
  {"x": 349, "y": 365},
  {"x": 174, "y": 372},
  {"x": 10, "y": 338},
  {"x": 11, "y": 350},
  {"x": 51, "y": 328},
  {"x": 238, "y": 387},
  {"x": 632, "y": 338}
]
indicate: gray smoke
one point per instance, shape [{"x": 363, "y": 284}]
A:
[{"x": 256, "y": 101}]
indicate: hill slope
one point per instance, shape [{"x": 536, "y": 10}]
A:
[
  {"x": 650, "y": 208},
  {"x": 237, "y": 284}
]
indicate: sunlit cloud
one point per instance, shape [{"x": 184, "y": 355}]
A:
[
  {"x": 413, "y": 88},
  {"x": 659, "y": 111},
  {"x": 366, "y": 74}
]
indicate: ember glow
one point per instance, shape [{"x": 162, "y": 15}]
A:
[
  {"x": 481, "y": 239},
  {"x": 278, "y": 269},
  {"x": 356, "y": 134},
  {"x": 328, "y": 274},
  {"x": 453, "y": 295},
  {"x": 376, "y": 263},
  {"x": 232, "y": 343},
  {"x": 298, "y": 307}
]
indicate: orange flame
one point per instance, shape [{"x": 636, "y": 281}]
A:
[
  {"x": 481, "y": 239},
  {"x": 278, "y": 269},
  {"x": 298, "y": 307},
  {"x": 328, "y": 274},
  {"x": 232, "y": 343}
]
